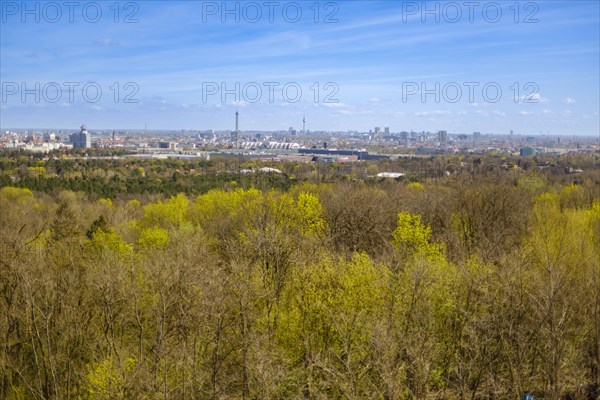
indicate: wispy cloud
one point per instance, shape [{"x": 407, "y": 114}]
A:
[
  {"x": 432, "y": 113},
  {"x": 107, "y": 42},
  {"x": 368, "y": 54}
]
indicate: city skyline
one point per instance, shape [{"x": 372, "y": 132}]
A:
[{"x": 381, "y": 64}]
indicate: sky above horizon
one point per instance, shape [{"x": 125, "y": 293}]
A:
[{"x": 529, "y": 66}]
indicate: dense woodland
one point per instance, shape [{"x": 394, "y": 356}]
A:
[
  {"x": 102, "y": 176},
  {"x": 472, "y": 278}
]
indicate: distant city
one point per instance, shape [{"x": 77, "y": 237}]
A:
[{"x": 295, "y": 144}]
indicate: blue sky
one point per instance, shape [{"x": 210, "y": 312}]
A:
[{"x": 358, "y": 65}]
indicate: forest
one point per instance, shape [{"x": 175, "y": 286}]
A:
[{"x": 471, "y": 278}]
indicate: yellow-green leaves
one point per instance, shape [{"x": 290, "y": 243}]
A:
[
  {"x": 159, "y": 220},
  {"x": 15, "y": 195},
  {"x": 167, "y": 214},
  {"x": 106, "y": 241},
  {"x": 411, "y": 233},
  {"x": 310, "y": 214},
  {"x": 361, "y": 284},
  {"x": 412, "y": 238},
  {"x": 572, "y": 196},
  {"x": 331, "y": 302},
  {"x": 240, "y": 214},
  {"x": 416, "y": 186},
  {"x": 220, "y": 204},
  {"x": 153, "y": 238},
  {"x": 106, "y": 379},
  {"x": 560, "y": 240}
]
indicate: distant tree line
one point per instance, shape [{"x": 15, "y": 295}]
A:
[{"x": 107, "y": 177}]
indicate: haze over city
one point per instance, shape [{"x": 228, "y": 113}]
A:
[{"x": 527, "y": 67}]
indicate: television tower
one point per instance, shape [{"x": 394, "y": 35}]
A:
[
  {"x": 236, "y": 134},
  {"x": 236, "y": 121},
  {"x": 304, "y": 124}
]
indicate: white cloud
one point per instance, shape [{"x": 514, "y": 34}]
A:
[
  {"x": 569, "y": 100},
  {"x": 499, "y": 113},
  {"x": 531, "y": 98},
  {"x": 430, "y": 113},
  {"x": 526, "y": 113},
  {"x": 342, "y": 112},
  {"x": 336, "y": 105}
]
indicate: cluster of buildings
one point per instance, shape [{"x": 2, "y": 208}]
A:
[
  {"x": 303, "y": 145},
  {"x": 46, "y": 141}
]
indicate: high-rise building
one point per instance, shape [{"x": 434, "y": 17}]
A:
[
  {"x": 442, "y": 136},
  {"x": 376, "y": 133},
  {"x": 386, "y": 130},
  {"x": 49, "y": 137},
  {"x": 404, "y": 138},
  {"x": 81, "y": 140}
]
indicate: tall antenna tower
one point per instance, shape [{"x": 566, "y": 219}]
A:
[
  {"x": 235, "y": 135},
  {"x": 237, "y": 114}
]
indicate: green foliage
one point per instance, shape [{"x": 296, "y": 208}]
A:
[
  {"x": 15, "y": 195},
  {"x": 572, "y": 196},
  {"x": 412, "y": 238},
  {"x": 134, "y": 204},
  {"x": 310, "y": 214},
  {"x": 415, "y": 186},
  {"x": 64, "y": 226},
  {"x": 153, "y": 238},
  {"x": 108, "y": 242},
  {"x": 167, "y": 214},
  {"x": 457, "y": 288},
  {"x": 327, "y": 304},
  {"x": 98, "y": 224},
  {"x": 106, "y": 379}
]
